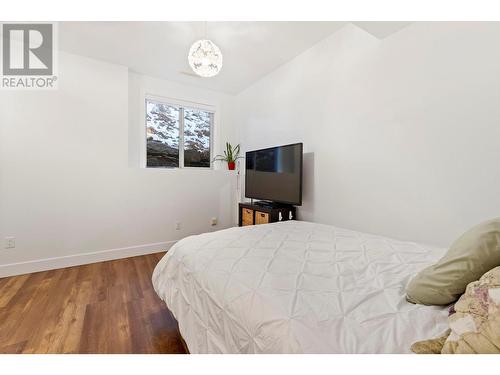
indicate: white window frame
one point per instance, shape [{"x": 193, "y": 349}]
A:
[{"x": 182, "y": 104}]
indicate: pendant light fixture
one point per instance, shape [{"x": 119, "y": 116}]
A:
[{"x": 204, "y": 57}]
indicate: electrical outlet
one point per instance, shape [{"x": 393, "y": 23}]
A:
[
  {"x": 10, "y": 242},
  {"x": 177, "y": 226},
  {"x": 213, "y": 221}
]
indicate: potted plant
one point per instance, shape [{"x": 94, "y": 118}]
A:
[{"x": 231, "y": 154}]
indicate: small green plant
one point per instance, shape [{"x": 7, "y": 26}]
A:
[{"x": 231, "y": 154}]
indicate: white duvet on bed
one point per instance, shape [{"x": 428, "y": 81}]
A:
[{"x": 296, "y": 287}]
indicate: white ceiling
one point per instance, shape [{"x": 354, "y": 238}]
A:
[
  {"x": 159, "y": 49},
  {"x": 381, "y": 30}
]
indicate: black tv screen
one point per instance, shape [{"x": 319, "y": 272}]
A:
[{"x": 275, "y": 174}]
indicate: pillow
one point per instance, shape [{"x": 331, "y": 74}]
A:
[
  {"x": 474, "y": 323},
  {"x": 469, "y": 257}
]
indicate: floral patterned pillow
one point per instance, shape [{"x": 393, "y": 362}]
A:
[{"x": 474, "y": 320}]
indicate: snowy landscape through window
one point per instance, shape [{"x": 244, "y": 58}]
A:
[{"x": 177, "y": 136}]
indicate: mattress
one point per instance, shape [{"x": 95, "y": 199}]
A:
[{"x": 296, "y": 287}]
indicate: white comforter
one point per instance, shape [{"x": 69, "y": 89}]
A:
[{"x": 296, "y": 287}]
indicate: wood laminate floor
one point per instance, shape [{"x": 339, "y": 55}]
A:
[{"x": 107, "y": 307}]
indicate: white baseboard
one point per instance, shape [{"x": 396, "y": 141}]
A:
[{"x": 46, "y": 264}]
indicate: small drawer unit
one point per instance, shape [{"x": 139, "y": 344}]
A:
[
  {"x": 246, "y": 216},
  {"x": 254, "y": 214},
  {"x": 261, "y": 217}
]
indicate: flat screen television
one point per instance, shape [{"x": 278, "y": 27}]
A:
[{"x": 275, "y": 174}]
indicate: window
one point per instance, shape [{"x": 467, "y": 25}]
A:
[{"x": 178, "y": 136}]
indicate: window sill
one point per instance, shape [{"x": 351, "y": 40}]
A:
[{"x": 190, "y": 169}]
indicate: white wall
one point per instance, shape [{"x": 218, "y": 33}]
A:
[
  {"x": 66, "y": 186},
  {"x": 403, "y": 132}
]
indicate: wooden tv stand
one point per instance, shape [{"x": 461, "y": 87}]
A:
[{"x": 253, "y": 214}]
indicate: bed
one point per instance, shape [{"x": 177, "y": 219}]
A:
[{"x": 296, "y": 287}]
